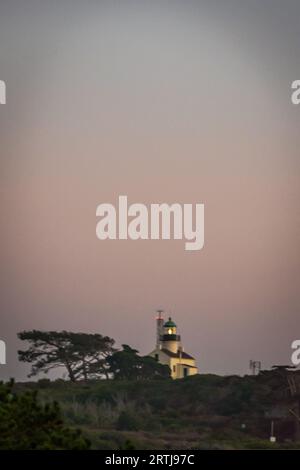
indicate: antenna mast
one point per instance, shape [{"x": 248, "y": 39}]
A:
[{"x": 255, "y": 367}]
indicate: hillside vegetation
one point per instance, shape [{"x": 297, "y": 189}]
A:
[{"x": 203, "y": 411}]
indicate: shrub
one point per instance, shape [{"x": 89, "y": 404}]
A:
[
  {"x": 26, "y": 424},
  {"x": 128, "y": 421}
]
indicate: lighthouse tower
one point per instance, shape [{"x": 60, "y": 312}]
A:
[
  {"x": 169, "y": 350},
  {"x": 170, "y": 339}
]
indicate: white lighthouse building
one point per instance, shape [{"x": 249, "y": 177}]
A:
[{"x": 169, "y": 350}]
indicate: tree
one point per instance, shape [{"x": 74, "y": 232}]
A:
[
  {"x": 25, "y": 424},
  {"x": 83, "y": 355},
  {"x": 127, "y": 364}
]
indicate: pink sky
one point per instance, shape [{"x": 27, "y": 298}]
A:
[{"x": 163, "y": 104}]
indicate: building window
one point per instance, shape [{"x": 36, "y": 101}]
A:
[
  {"x": 185, "y": 371},
  {"x": 174, "y": 368},
  {"x": 156, "y": 357}
]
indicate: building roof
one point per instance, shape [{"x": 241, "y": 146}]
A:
[
  {"x": 184, "y": 355},
  {"x": 188, "y": 365},
  {"x": 169, "y": 323}
]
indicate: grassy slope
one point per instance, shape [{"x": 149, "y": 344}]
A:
[{"x": 204, "y": 411}]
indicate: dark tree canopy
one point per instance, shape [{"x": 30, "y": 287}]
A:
[
  {"x": 25, "y": 424},
  {"x": 127, "y": 364},
  {"x": 83, "y": 355}
]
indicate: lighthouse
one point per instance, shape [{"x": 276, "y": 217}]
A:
[{"x": 169, "y": 350}]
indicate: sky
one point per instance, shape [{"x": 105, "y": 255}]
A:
[{"x": 163, "y": 101}]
